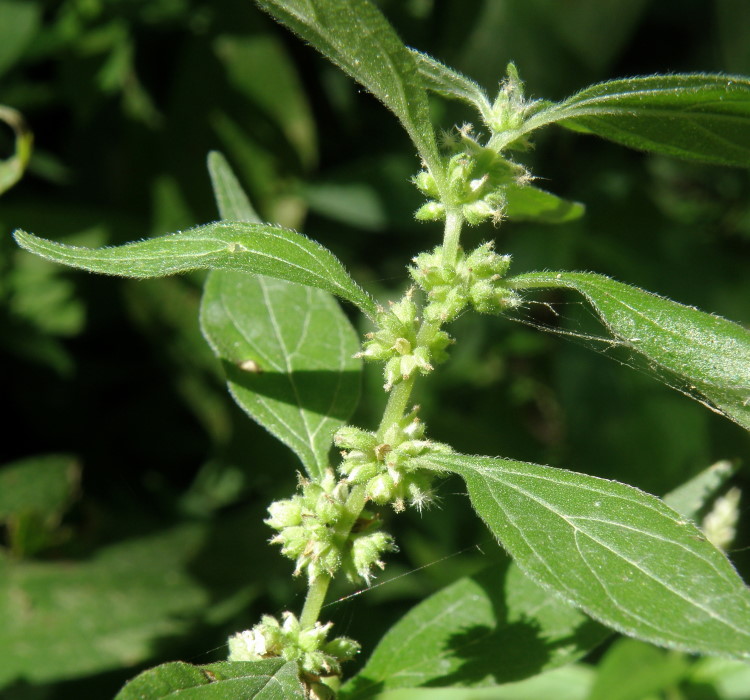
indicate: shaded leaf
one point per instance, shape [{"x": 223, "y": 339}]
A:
[
  {"x": 492, "y": 628},
  {"x": 287, "y": 350},
  {"x": 690, "y": 498},
  {"x": 527, "y": 203},
  {"x": 705, "y": 356},
  {"x": 11, "y": 169},
  {"x": 288, "y": 356},
  {"x": 357, "y": 38},
  {"x": 695, "y": 116},
  {"x": 267, "y": 679},
  {"x": 241, "y": 246},
  {"x": 619, "y": 554},
  {"x": 18, "y": 23}
]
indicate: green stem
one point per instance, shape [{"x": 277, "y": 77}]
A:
[
  {"x": 316, "y": 595},
  {"x": 454, "y": 220},
  {"x": 398, "y": 399}
]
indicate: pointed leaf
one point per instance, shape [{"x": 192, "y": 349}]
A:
[
  {"x": 267, "y": 679},
  {"x": 449, "y": 83},
  {"x": 241, "y": 246},
  {"x": 690, "y": 498},
  {"x": 287, "y": 350},
  {"x": 527, "y": 203},
  {"x": 230, "y": 197},
  {"x": 11, "y": 169},
  {"x": 696, "y": 116},
  {"x": 705, "y": 356},
  {"x": 356, "y": 37},
  {"x": 619, "y": 554},
  {"x": 492, "y": 628},
  {"x": 288, "y": 355}
]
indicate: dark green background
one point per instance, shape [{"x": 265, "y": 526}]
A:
[{"x": 126, "y": 98}]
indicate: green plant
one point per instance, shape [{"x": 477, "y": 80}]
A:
[{"x": 624, "y": 558}]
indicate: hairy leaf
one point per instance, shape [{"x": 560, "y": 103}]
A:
[
  {"x": 527, "y": 203},
  {"x": 287, "y": 350},
  {"x": 267, "y": 679},
  {"x": 448, "y": 82},
  {"x": 288, "y": 355},
  {"x": 241, "y": 246},
  {"x": 690, "y": 498},
  {"x": 11, "y": 169},
  {"x": 696, "y": 116},
  {"x": 619, "y": 554},
  {"x": 356, "y": 37},
  {"x": 492, "y": 628},
  {"x": 708, "y": 356}
]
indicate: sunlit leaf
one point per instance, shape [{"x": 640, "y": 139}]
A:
[
  {"x": 240, "y": 246},
  {"x": 705, "y": 356},
  {"x": 267, "y": 679},
  {"x": 11, "y": 169},
  {"x": 528, "y": 203},
  {"x": 619, "y": 554}
]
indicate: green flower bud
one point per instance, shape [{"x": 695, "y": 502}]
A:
[
  {"x": 432, "y": 211},
  {"x": 283, "y": 514}
]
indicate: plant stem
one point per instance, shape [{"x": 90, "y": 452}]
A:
[
  {"x": 316, "y": 595},
  {"x": 453, "y": 221},
  {"x": 396, "y": 406}
]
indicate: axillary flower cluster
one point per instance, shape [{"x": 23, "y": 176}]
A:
[{"x": 331, "y": 526}]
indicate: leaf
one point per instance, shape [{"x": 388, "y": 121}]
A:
[
  {"x": 11, "y": 169},
  {"x": 705, "y": 356},
  {"x": 695, "y": 116},
  {"x": 449, "y": 83},
  {"x": 84, "y": 617},
  {"x": 267, "y": 679},
  {"x": 570, "y": 682},
  {"x": 492, "y": 628},
  {"x": 690, "y": 498},
  {"x": 41, "y": 485},
  {"x": 288, "y": 350},
  {"x": 19, "y": 22},
  {"x": 241, "y": 246},
  {"x": 619, "y": 554},
  {"x": 288, "y": 355},
  {"x": 357, "y": 38},
  {"x": 527, "y": 203},
  {"x": 657, "y": 671},
  {"x": 230, "y": 197}
]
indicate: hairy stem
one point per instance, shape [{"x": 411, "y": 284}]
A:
[
  {"x": 453, "y": 221},
  {"x": 316, "y": 595},
  {"x": 398, "y": 399}
]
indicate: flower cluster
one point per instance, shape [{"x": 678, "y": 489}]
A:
[
  {"x": 386, "y": 467},
  {"x": 474, "y": 279},
  {"x": 314, "y": 529},
  {"x": 288, "y": 640},
  {"x": 397, "y": 343},
  {"x": 477, "y": 179}
]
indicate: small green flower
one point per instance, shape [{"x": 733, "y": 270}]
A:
[{"x": 308, "y": 647}]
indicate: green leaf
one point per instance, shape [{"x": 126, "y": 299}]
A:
[
  {"x": 695, "y": 116},
  {"x": 288, "y": 355},
  {"x": 106, "y": 612},
  {"x": 19, "y": 22},
  {"x": 11, "y": 169},
  {"x": 657, "y": 671},
  {"x": 449, "y": 83},
  {"x": 267, "y": 679},
  {"x": 527, "y": 203},
  {"x": 619, "y": 554},
  {"x": 288, "y": 351},
  {"x": 230, "y": 197},
  {"x": 570, "y": 682},
  {"x": 357, "y": 38},
  {"x": 245, "y": 247},
  {"x": 690, "y": 498},
  {"x": 702, "y": 355},
  {"x": 492, "y": 628}
]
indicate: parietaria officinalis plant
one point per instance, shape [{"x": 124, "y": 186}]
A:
[{"x": 596, "y": 550}]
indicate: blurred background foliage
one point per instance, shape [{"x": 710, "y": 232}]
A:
[{"x": 133, "y": 490}]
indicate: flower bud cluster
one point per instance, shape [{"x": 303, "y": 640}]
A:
[
  {"x": 310, "y": 531},
  {"x": 386, "y": 467},
  {"x": 477, "y": 179},
  {"x": 474, "y": 279},
  {"x": 288, "y": 640},
  {"x": 396, "y": 343}
]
